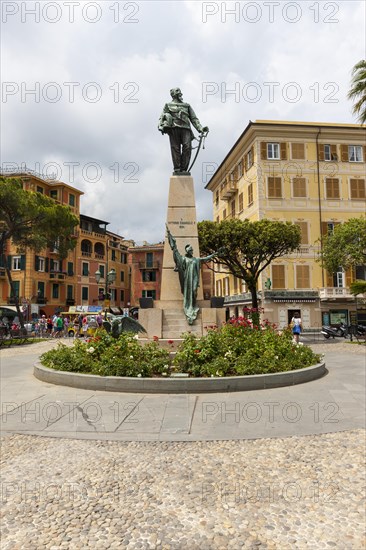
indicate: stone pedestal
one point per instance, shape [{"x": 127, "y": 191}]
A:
[
  {"x": 182, "y": 222},
  {"x": 167, "y": 318}
]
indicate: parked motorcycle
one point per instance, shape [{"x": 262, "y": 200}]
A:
[{"x": 335, "y": 332}]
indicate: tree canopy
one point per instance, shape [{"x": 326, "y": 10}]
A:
[
  {"x": 346, "y": 246},
  {"x": 33, "y": 220},
  {"x": 358, "y": 90},
  {"x": 249, "y": 246}
]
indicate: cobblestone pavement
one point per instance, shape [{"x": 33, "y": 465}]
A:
[{"x": 293, "y": 493}]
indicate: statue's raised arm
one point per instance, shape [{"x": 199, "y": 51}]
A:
[{"x": 171, "y": 239}]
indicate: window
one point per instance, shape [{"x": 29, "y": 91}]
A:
[
  {"x": 40, "y": 190},
  {"x": 241, "y": 202},
  {"x": 273, "y": 151},
  {"x": 232, "y": 207},
  {"x": 274, "y": 188},
  {"x": 100, "y": 293},
  {"x": 41, "y": 264},
  {"x": 85, "y": 269},
  {"x": 102, "y": 271},
  {"x": 361, "y": 272},
  {"x": 55, "y": 290},
  {"x": 123, "y": 258},
  {"x": 149, "y": 259},
  {"x": 328, "y": 228},
  {"x": 55, "y": 266},
  {"x": 113, "y": 256},
  {"x": 240, "y": 169},
  {"x": 224, "y": 214},
  {"x": 40, "y": 289},
  {"x": 249, "y": 159},
  {"x": 299, "y": 187},
  {"x": 339, "y": 279},
  {"x": 302, "y": 276},
  {"x": 298, "y": 151},
  {"x": 84, "y": 293},
  {"x": 149, "y": 276},
  {"x": 357, "y": 189},
  {"x": 217, "y": 219},
  {"x": 332, "y": 188},
  {"x": 55, "y": 246},
  {"x": 226, "y": 286},
  {"x": 304, "y": 232},
  {"x": 16, "y": 289},
  {"x": 71, "y": 199},
  {"x": 217, "y": 198},
  {"x": 122, "y": 276},
  {"x": 327, "y": 153},
  {"x": 278, "y": 276},
  {"x": 149, "y": 294},
  {"x": 113, "y": 293},
  {"x": 70, "y": 292},
  {"x": 53, "y": 194},
  {"x": 16, "y": 260},
  {"x": 355, "y": 153},
  {"x": 219, "y": 288},
  {"x": 70, "y": 269},
  {"x": 122, "y": 295},
  {"x": 250, "y": 194}
]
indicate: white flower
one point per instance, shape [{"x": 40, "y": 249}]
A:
[
  {"x": 139, "y": 375},
  {"x": 131, "y": 356},
  {"x": 136, "y": 337},
  {"x": 276, "y": 356},
  {"x": 166, "y": 366},
  {"x": 164, "y": 373},
  {"x": 91, "y": 350}
]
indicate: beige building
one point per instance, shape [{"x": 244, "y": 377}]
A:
[{"x": 312, "y": 174}]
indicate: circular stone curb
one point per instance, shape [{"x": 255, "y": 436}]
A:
[{"x": 125, "y": 384}]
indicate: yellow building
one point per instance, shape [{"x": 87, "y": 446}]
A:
[{"x": 311, "y": 174}]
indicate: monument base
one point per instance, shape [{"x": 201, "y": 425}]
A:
[{"x": 171, "y": 323}]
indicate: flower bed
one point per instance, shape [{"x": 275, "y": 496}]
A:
[{"x": 238, "y": 348}]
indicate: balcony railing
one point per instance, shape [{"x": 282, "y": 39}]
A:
[
  {"x": 58, "y": 275},
  {"x": 2, "y": 272},
  {"x": 149, "y": 265},
  {"x": 99, "y": 256},
  {"x": 86, "y": 254},
  {"x": 228, "y": 190},
  {"x": 334, "y": 293}
]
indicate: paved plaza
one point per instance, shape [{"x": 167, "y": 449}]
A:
[{"x": 280, "y": 468}]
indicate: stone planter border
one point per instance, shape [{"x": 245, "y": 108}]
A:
[{"x": 125, "y": 384}]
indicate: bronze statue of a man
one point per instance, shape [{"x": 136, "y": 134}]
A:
[
  {"x": 175, "y": 121},
  {"x": 188, "y": 268}
]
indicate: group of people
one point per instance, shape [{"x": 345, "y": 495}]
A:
[{"x": 58, "y": 325}]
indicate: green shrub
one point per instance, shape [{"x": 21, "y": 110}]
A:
[{"x": 238, "y": 348}]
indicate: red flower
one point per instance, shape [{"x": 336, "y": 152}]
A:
[
  {"x": 197, "y": 351},
  {"x": 170, "y": 341},
  {"x": 156, "y": 338}
]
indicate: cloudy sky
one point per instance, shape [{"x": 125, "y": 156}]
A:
[{"x": 84, "y": 84}]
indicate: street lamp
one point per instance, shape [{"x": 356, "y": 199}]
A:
[{"x": 110, "y": 279}]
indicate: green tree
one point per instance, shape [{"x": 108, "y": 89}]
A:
[
  {"x": 32, "y": 220},
  {"x": 249, "y": 246},
  {"x": 358, "y": 287},
  {"x": 358, "y": 90},
  {"x": 346, "y": 246}
]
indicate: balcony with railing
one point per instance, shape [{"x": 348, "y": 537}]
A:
[
  {"x": 228, "y": 189},
  {"x": 58, "y": 275},
  {"x": 335, "y": 293},
  {"x": 149, "y": 265}
]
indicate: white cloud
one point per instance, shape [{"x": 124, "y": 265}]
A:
[{"x": 170, "y": 45}]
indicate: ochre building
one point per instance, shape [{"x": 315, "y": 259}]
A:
[{"x": 311, "y": 174}]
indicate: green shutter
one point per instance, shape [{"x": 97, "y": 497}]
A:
[
  {"x": 22, "y": 262},
  {"x": 51, "y": 265},
  {"x": 2, "y": 260},
  {"x": 36, "y": 263},
  {"x": 47, "y": 264},
  {"x": 70, "y": 269},
  {"x": 8, "y": 259}
]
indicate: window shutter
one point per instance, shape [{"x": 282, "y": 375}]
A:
[
  {"x": 60, "y": 266},
  {"x": 344, "y": 153},
  {"x": 333, "y": 152},
  {"x": 263, "y": 150},
  {"x": 51, "y": 265},
  {"x": 330, "y": 281},
  {"x": 36, "y": 263},
  {"x": 324, "y": 229},
  {"x": 283, "y": 151},
  {"x": 70, "y": 270},
  {"x": 349, "y": 276},
  {"x": 2, "y": 260},
  {"x": 321, "y": 151},
  {"x": 9, "y": 258},
  {"x": 252, "y": 155},
  {"x": 22, "y": 262},
  {"x": 47, "y": 263},
  {"x": 364, "y": 153}
]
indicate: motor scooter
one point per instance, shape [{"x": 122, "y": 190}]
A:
[{"x": 335, "y": 332}]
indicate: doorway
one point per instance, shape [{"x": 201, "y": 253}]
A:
[{"x": 290, "y": 314}]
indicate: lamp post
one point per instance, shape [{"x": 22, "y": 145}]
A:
[{"x": 110, "y": 279}]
